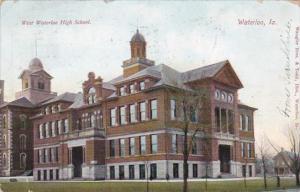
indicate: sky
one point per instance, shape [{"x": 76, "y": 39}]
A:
[{"x": 181, "y": 34}]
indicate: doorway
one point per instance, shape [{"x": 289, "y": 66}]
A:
[
  {"x": 224, "y": 156},
  {"x": 77, "y": 160}
]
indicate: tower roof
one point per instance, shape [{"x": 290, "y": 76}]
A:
[
  {"x": 35, "y": 64},
  {"x": 137, "y": 37}
]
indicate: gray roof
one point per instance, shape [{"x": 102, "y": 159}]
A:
[
  {"x": 78, "y": 101},
  {"x": 68, "y": 97},
  {"x": 171, "y": 77},
  {"x": 21, "y": 102}
]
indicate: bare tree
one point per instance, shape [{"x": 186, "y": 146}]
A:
[
  {"x": 292, "y": 158},
  {"x": 189, "y": 103},
  {"x": 264, "y": 154}
]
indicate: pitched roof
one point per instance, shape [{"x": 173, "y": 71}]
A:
[
  {"x": 21, "y": 102},
  {"x": 68, "y": 97},
  {"x": 78, "y": 101}
]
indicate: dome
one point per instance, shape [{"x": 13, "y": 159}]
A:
[
  {"x": 35, "y": 64},
  {"x": 137, "y": 37}
]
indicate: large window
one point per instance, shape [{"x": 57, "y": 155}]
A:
[
  {"x": 246, "y": 123},
  {"x": 174, "y": 143},
  {"x": 142, "y": 171},
  {"x": 243, "y": 149},
  {"x": 143, "y": 145},
  {"x": 142, "y": 111},
  {"x": 113, "y": 117},
  {"x": 217, "y": 119},
  {"x": 22, "y": 160},
  {"x": 23, "y": 120},
  {"x": 122, "y": 147},
  {"x": 230, "y": 121},
  {"x": 175, "y": 170},
  {"x": 111, "y": 148},
  {"x": 153, "y": 108},
  {"x": 153, "y": 143},
  {"x": 131, "y": 88},
  {"x": 131, "y": 171},
  {"x": 193, "y": 114},
  {"x": 173, "y": 109},
  {"x": 241, "y": 122},
  {"x": 131, "y": 146},
  {"x": 153, "y": 171},
  {"x": 224, "y": 120},
  {"x": 194, "y": 147},
  {"x": 132, "y": 112},
  {"x": 122, "y": 115}
]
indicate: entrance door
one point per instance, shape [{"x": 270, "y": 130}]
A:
[
  {"x": 77, "y": 160},
  {"x": 224, "y": 155}
]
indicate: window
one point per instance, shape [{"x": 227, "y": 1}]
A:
[
  {"x": 4, "y": 160},
  {"x": 50, "y": 154},
  {"x": 193, "y": 114},
  {"x": 66, "y": 126},
  {"x": 142, "y": 85},
  {"x": 250, "y": 170},
  {"x": 122, "y": 91},
  {"x": 194, "y": 147},
  {"x": 250, "y": 126},
  {"x": 246, "y": 123},
  {"x": 23, "y": 121},
  {"x": 50, "y": 129},
  {"x": 122, "y": 147},
  {"x": 153, "y": 108},
  {"x": 131, "y": 146},
  {"x": 142, "y": 111},
  {"x": 143, "y": 145},
  {"x": 173, "y": 109},
  {"x": 224, "y": 120},
  {"x": 111, "y": 148},
  {"x": 4, "y": 122},
  {"x": 51, "y": 174},
  {"x": 153, "y": 143},
  {"x": 22, "y": 160},
  {"x": 244, "y": 170},
  {"x": 45, "y": 174},
  {"x": 92, "y": 95},
  {"x": 41, "y": 85},
  {"x": 93, "y": 120},
  {"x": 195, "y": 170},
  {"x": 142, "y": 171},
  {"x": 113, "y": 117},
  {"x": 241, "y": 122},
  {"x": 39, "y": 175},
  {"x": 40, "y": 159},
  {"x": 175, "y": 170},
  {"x": 4, "y": 141},
  {"x": 243, "y": 149},
  {"x": 153, "y": 171},
  {"x": 174, "y": 143},
  {"x": 22, "y": 142},
  {"x": 46, "y": 155},
  {"x": 47, "y": 129},
  {"x": 132, "y": 113},
  {"x": 122, "y": 116},
  {"x": 230, "y": 121},
  {"x": 112, "y": 172},
  {"x": 131, "y": 89},
  {"x": 249, "y": 150},
  {"x": 57, "y": 174},
  {"x": 131, "y": 171},
  {"x": 217, "y": 119},
  {"x": 121, "y": 172},
  {"x": 56, "y": 154}
]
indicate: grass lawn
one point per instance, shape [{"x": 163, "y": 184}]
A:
[{"x": 220, "y": 186}]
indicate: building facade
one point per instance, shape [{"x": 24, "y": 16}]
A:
[{"x": 129, "y": 127}]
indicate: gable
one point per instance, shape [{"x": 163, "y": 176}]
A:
[
  {"x": 42, "y": 73},
  {"x": 227, "y": 76}
]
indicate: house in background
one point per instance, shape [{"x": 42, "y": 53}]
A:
[
  {"x": 127, "y": 127},
  {"x": 281, "y": 162}
]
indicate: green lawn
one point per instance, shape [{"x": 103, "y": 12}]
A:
[{"x": 220, "y": 186}]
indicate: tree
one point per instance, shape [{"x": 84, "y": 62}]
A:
[
  {"x": 188, "y": 101},
  {"x": 292, "y": 158},
  {"x": 264, "y": 154}
]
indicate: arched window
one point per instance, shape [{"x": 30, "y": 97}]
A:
[
  {"x": 22, "y": 160},
  {"x": 4, "y": 160},
  {"x": 22, "y": 142},
  {"x": 92, "y": 95},
  {"x": 23, "y": 120}
]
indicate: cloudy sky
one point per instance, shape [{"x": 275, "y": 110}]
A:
[{"x": 184, "y": 35}]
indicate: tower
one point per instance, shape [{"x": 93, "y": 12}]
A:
[
  {"x": 138, "y": 60},
  {"x": 36, "y": 83}
]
